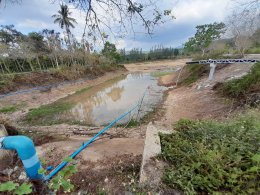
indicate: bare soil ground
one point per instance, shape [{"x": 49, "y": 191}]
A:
[
  {"x": 155, "y": 65},
  {"x": 199, "y": 101}
]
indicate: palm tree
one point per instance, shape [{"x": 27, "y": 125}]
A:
[{"x": 63, "y": 19}]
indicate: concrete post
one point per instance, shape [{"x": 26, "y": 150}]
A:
[{"x": 212, "y": 70}]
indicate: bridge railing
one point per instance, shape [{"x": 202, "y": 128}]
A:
[
  {"x": 224, "y": 61},
  {"x": 213, "y": 63}
]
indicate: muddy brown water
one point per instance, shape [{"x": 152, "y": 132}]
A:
[{"x": 103, "y": 103}]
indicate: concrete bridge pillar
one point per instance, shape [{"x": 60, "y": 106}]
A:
[{"x": 212, "y": 70}]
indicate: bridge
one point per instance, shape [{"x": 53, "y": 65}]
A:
[{"x": 213, "y": 63}]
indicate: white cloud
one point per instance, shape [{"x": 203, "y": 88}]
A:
[
  {"x": 35, "y": 15},
  {"x": 29, "y": 23},
  {"x": 120, "y": 44},
  {"x": 201, "y": 10}
]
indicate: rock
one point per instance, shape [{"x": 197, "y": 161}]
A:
[
  {"x": 8, "y": 172},
  {"x": 128, "y": 193},
  {"x": 23, "y": 176},
  {"x": 16, "y": 168},
  {"x": 81, "y": 192}
]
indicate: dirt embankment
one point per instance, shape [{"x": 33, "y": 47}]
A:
[
  {"x": 199, "y": 100},
  {"x": 21, "y": 81},
  {"x": 155, "y": 65}
]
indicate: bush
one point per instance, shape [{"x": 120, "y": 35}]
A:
[
  {"x": 210, "y": 157},
  {"x": 254, "y": 50},
  {"x": 195, "y": 71},
  {"x": 243, "y": 87}
]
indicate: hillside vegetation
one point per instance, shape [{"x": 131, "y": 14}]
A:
[
  {"x": 245, "y": 90},
  {"x": 42, "y": 58}
]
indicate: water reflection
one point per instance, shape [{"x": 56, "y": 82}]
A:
[
  {"x": 105, "y": 102},
  {"x": 115, "y": 93}
]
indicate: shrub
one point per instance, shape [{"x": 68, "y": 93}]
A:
[
  {"x": 212, "y": 157},
  {"x": 243, "y": 87}
]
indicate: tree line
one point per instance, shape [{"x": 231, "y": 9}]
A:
[
  {"x": 155, "y": 53},
  {"x": 239, "y": 34},
  {"x": 46, "y": 49}
]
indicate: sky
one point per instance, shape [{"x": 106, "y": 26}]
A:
[{"x": 35, "y": 15}]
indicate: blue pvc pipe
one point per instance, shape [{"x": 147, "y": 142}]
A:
[{"x": 26, "y": 151}]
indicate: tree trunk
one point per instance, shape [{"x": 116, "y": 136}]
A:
[
  {"x": 203, "y": 52},
  {"x": 68, "y": 33},
  {"x": 19, "y": 65},
  {"x": 31, "y": 65},
  {"x": 56, "y": 61},
  {"x": 38, "y": 61},
  {"x": 2, "y": 69},
  {"x": 8, "y": 70}
]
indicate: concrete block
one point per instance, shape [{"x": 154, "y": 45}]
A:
[{"x": 151, "y": 168}]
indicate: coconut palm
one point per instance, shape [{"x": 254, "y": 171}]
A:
[{"x": 64, "y": 20}]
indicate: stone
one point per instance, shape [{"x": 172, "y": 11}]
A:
[{"x": 23, "y": 176}]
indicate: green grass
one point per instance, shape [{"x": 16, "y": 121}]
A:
[
  {"x": 130, "y": 124},
  {"x": 145, "y": 119},
  {"x": 207, "y": 157},
  {"x": 254, "y": 50},
  {"x": 45, "y": 115},
  {"x": 12, "y": 108},
  {"x": 8, "y": 109},
  {"x": 83, "y": 90},
  {"x": 242, "y": 86},
  {"x": 160, "y": 74},
  {"x": 195, "y": 71}
]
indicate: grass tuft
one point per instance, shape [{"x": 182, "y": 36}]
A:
[
  {"x": 83, "y": 90},
  {"x": 45, "y": 114},
  {"x": 12, "y": 108},
  {"x": 8, "y": 109}
]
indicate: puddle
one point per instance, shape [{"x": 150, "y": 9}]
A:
[{"x": 103, "y": 103}]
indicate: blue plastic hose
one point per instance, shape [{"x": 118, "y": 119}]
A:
[{"x": 63, "y": 164}]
